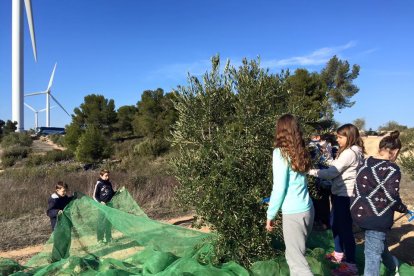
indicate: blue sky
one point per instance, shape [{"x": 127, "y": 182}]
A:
[{"x": 121, "y": 48}]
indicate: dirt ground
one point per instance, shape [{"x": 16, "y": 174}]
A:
[
  {"x": 22, "y": 253},
  {"x": 34, "y": 230}
]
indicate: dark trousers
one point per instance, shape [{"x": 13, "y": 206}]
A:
[
  {"x": 104, "y": 228},
  {"x": 322, "y": 208},
  {"x": 341, "y": 223}
]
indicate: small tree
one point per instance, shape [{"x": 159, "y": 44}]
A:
[
  {"x": 224, "y": 135},
  {"x": 93, "y": 147},
  {"x": 391, "y": 126},
  {"x": 360, "y": 124},
  {"x": 7, "y": 127},
  {"x": 338, "y": 78},
  {"x": 125, "y": 116},
  {"x": 71, "y": 139},
  {"x": 407, "y": 155},
  {"x": 96, "y": 111}
]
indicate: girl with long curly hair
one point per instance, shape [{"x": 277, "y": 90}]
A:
[{"x": 290, "y": 193}]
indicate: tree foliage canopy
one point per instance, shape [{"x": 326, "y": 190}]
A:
[
  {"x": 391, "y": 126},
  {"x": 96, "y": 111},
  {"x": 359, "y": 123},
  {"x": 89, "y": 132},
  {"x": 338, "y": 78},
  {"x": 224, "y": 135},
  {"x": 155, "y": 114},
  {"x": 7, "y": 127}
]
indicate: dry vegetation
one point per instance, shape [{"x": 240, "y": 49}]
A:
[{"x": 25, "y": 191}]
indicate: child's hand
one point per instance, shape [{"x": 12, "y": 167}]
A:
[
  {"x": 103, "y": 203},
  {"x": 269, "y": 225},
  {"x": 60, "y": 212}
]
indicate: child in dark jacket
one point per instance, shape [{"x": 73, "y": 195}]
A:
[
  {"x": 376, "y": 197},
  {"x": 57, "y": 202},
  {"x": 103, "y": 193}
]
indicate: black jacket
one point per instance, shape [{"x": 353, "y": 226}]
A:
[
  {"x": 376, "y": 195},
  {"x": 103, "y": 191},
  {"x": 55, "y": 204}
]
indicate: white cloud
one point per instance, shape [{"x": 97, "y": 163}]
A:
[
  {"x": 320, "y": 56},
  {"x": 180, "y": 70},
  {"x": 317, "y": 57}
]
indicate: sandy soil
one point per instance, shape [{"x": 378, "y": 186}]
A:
[{"x": 43, "y": 145}]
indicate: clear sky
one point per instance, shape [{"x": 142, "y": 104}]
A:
[{"x": 121, "y": 48}]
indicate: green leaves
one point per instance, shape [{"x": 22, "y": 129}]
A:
[{"x": 224, "y": 135}]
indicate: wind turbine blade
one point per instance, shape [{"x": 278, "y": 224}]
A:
[
  {"x": 31, "y": 108},
  {"x": 29, "y": 15},
  {"x": 51, "y": 78},
  {"x": 59, "y": 104},
  {"x": 35, "y": 93},
  {"x": 44, "y": 109}
]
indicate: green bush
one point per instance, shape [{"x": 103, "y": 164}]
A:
[
  {"x": 93, "y": 146},
  {"x": 58, "y": 155},
  {"x": 57, "y": 139},
  {"x": 224, "y": 136},
  {"x": 35, "y": 160},
  {"x": 13, "y": 153},
  {"x": 407, "y": 155},
  {"x": 8, "y": 161},
  {"x": 152, "y": 147},
  {"x": 21, "y": 139},
  {"x": 16, "y": 151}
]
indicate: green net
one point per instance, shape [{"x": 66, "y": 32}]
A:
[{"x": 133, "y": 244}]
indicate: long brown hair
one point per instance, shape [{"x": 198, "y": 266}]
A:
[
  {"x": 288, "y": 138},
  {"x": 352, "y": 137}
]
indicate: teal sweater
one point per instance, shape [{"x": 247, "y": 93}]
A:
[{"x": 290, "y": 189}]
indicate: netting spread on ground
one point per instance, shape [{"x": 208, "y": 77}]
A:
[{"x": 136, "y": 245}]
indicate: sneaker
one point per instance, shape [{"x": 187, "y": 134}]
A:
[
  {"x": 345, "y": 269},
  {"x": 335, "y": 257},
  {"x": 397, "y": 264}
]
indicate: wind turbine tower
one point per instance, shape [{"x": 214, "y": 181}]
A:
[
  {"x": 36, "y": 113},
  {"x": 48, "y": 96},
  {"x": 18, "y": 58}
]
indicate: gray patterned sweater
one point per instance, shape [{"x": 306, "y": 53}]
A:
[{"x": 376, "y": 195}]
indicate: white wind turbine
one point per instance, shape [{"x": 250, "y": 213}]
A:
[
  {"x": 18, "y": 57},
  {"x": 36, "y": 113},
  {"x": 48, "y": 95}
]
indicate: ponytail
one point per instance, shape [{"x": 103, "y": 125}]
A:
[{"x": 391, "y": 141}]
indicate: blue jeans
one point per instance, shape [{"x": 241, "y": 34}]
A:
[
  {"x": 375, "y": 250},
  {"x": 341, "y": 224}
]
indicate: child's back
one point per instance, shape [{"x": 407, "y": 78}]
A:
[{"x": 377, "y": 194}]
